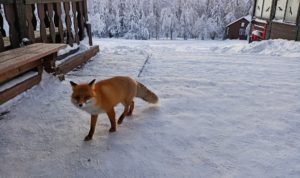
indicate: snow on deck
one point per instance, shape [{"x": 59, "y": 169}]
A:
[{"x": 226, "y": 110}]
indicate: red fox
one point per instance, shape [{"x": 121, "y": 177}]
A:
[{"x": 103, "y": 96}]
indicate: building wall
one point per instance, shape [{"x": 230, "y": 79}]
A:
[
  {"x": 284, "y": 31},
  {"x": 233, "y": 30}
]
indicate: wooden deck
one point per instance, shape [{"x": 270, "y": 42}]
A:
[
  {"x": 49, "y": 25},
  {"x": 20, "y": 62}
]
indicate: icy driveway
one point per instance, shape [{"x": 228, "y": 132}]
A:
[{"x": 221, "y": 114}]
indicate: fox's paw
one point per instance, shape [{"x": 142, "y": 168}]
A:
[
  {"x": 88, "y": 138},
  {"x": 112, "y": 129},
  {"x": 120, "y": 121}
]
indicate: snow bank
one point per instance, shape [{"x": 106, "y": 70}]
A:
[{"x": 278, "y": 47}]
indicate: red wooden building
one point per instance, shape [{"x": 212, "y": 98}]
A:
[{"x": 237, "y": 28}]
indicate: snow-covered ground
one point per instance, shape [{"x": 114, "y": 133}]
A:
[{"x": 227, "y": 109}]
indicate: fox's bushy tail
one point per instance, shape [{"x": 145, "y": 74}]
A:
[{"x": 144, "y": 93}]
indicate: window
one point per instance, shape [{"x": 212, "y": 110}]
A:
[
  {"x": 242, "y": 24},
  {"x": 291, "y": 11},
  {"x": 242, "y": 32},
  {"x": 263, "y": 8},
  {"x": 258, "y": 8},
  {"x": 267, "y": 9},
  {"x": 280, "y": 8}
]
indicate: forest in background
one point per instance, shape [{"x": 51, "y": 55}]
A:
[{"x": 168, "y": 19}]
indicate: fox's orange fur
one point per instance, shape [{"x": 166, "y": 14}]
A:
[{"x": 103, "y": 96}]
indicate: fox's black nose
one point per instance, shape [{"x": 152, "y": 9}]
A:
[{"x": 80, "y": 105}]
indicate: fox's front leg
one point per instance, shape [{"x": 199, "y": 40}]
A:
[
  {"x": 112, "y": 118},
  {"x": 92, "y": 129}
]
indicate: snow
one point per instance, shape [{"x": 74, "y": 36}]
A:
[
  {"x": 17, "y": 80},
  {"x": 82, "y": 48},
  {"x": 227, "y": 109},
  {"x": 67, "y": 49},
  {"x": 260, "y": 20}
]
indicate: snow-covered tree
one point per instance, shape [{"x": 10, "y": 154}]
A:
[{"x": 144, "y": 19}]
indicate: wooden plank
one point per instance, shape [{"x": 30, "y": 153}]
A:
[
  {"x": 1, "y": 43},
  {"x": 48, "y": 1},
  {"x": 27, "y": 58},
  {"x": 76, "y": 61},
  {"x": 17, "y": 52},
  {"x": 21, "y": 19},
  {"x": 70, "y": 40},
  {"x": 74, "y": 10},
  {"x": 16, "y": 71},
  {"x": 89, "y": 32},
  {"x": 34, "y": 49},
  {"x": 29, "y": 17},
  {"x": 59, "y": 22},
  {"x": 85, "y": 12},
  {"x": 13, "y": 92},
  {"x": 2, "y": 32},
  {"x": 7, "y": 1},
  {"x": 41, "y": 14},
  {"x": 11, "y": 19},
  {"x": 81, "y": 20},
  {"x": 49, "y": 62},
  {"x": 50, "y": 18}
]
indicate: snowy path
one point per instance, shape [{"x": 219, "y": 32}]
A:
[{"x": 221, "y": 114}]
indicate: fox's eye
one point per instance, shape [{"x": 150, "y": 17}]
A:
[
  {"x": 87, "y": 97},
  {"x": 77, "y": 98}
]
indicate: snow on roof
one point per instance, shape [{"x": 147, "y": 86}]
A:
[
  {"x": 247, "y": 17},
  {"x": 260, "y": 20}
]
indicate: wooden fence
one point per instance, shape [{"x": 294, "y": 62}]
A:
[{"x": 47, "y": 21}]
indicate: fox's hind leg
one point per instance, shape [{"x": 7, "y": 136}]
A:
[
  {"x": 125, "y": 113},
  {"x": 131, "y": 108}
]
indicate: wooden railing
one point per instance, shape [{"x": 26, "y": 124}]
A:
[{"x": 47, "y": 21}]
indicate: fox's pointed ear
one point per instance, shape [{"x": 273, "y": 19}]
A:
[
  {"x": 92, "y": 82},
  {"x": 73, "y": 84}
]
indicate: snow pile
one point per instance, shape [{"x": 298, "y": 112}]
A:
[{"x": 278, "y": 47}]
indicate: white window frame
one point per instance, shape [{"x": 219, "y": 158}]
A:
[
  {"x": 292, "y": 6},
  {"x": 279, "y": 14},
  {"x": 259, "y": 6},
  {"x": 267, "y": 7}
]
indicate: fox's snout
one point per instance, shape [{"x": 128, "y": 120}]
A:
[{"x": 78, "y": 103}]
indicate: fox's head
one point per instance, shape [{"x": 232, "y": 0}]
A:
[{"x": 82, "y": 93}]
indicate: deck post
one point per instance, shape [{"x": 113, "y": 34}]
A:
[
  {"x": 298, "y": 24},
  {"x": 87, "y": 23},
  {"x": 21, "y": 19},
  {"x": 250, "y": 23},
  {"x": 272, "y": 15}
]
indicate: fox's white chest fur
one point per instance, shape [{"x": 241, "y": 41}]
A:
[{"x": 90, "y": 107}]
